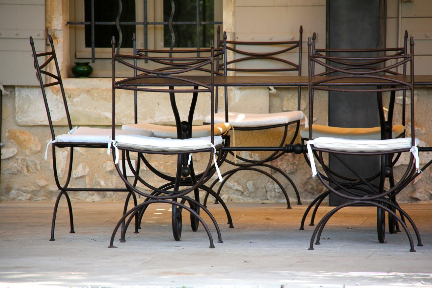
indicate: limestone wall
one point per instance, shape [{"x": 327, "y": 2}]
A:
[{"x": 26, "y": 175}]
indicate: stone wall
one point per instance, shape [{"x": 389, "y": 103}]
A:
[{"x": 26, "y": 175}]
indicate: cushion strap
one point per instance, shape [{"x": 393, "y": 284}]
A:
[
  {"x": 414, "y": 151},
  {"x": 46, "y": 150},
  {"x": 311, "y": 157},
  {"x": 215, "y": 162},
  {"x": 114, "y": 144}
]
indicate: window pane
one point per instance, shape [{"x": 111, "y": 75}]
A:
[
  {"x": 186, "y": 11},
  {"x": 106, "y": 11}
]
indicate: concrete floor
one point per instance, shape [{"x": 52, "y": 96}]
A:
[{"x": 265, "y": 249}]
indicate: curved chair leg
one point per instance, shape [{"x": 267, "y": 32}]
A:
[
  {"x": 210, "y": 215},
  {"x": 137, "y": 208},
  {"x": 232, "y": 172},
  {"x": 287, "y": 178},
  {"x": 141, "y": 214},
  {"x": 392, "y": 224},
  {"x": 381, "y": 224},
  {"x": 320, "y": 227},
  {"x": 326, "y": 218},
  {"x": 211, "y": 187},
  {"x": 126, "y": 224},
  {"x": 182, "y": 203},
  {"x": 122, "y": 239},
  {"x": 404, "y": 215},
  {"x": 211, "y": 192},
  {"x": 208, "y": 191},
  {"x": 63, "y": 192},
  {"x": 219, "y": 199},
  {"x": 214, "y": 183},
  {"x": 194, "y": 221},
  {"x": 176, "y": 210},
  {"x": 131, "y": 193},
  {"x": 312, "y": 222},
  {"x": 318, "y": 199},
  {"x": 177, "y": 221},
  {"x": 395, "y": 227}
]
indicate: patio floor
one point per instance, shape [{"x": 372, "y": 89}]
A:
[{"x": 265, "y": 249}]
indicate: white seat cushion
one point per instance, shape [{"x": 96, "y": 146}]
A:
[
  {"x": 164, "y": 131},
  {"x": 91, "y": 135},
  {"x": 166, "y": 144},
  {"x": 96, "y": 135},
  {"x": 364, "y": 145},
  {"x": 373, "y": 133},
  {"x": 257, "y": 120}
]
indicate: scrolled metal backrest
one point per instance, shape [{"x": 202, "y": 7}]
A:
[
  {"x": 248, "y": 51},
  {"x": 249, "y": 54},
  {"x": 54, "y": 79},
  {"x": 173, "y": 70},
  {"x": 376, "y": 63},
  {"x": 165, "y": 61},
  {"x": 375, "y": 73}
]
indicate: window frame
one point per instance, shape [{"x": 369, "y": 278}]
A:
[{"x": 151, "y": 24}]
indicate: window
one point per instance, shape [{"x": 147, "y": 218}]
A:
[
  {"x": 192, "y": 24},
  {"x": 106, "y": 12},
  {"x": 193, "y": 34}
]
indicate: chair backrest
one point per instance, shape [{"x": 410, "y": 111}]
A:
[
  {"x": 364, "y": 70},
  {"x": 175, "y": 62},
  {"x": 172, "y": 75},
  {"x": 269, "y": 57},
  {"x": 261, "y": 56},
  {"x": 53, "y": 79}
]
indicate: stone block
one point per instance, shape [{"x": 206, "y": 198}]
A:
[
  {"x": 249, "y": 100},
  {"x": 313, "y": 185},
  {"x": 274, "y": 192},
  {"x": 288, "y": 163},
  {"x": 16, "y": 194},
  {"x": 421, "y": 195},
  {"x": 26, "y": 141},
  {"x": 8, "y": 152},
  {"x": 24, "y": 165},
  {"x": 82, "y": 170}
]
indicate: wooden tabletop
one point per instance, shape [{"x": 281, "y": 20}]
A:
[{"x": 254, "y": 81}]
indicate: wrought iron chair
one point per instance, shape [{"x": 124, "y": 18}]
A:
[
  {"x": 78, "y": 137},
  {"x": 374, "y": 74},
  {"x": 192, "y": 128},
  {"x": 169, "y": 78},
  {"x": 253, "y": 58},
  {"x": 166, "y": 130},
  {"x": 392, "y": 130}
]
